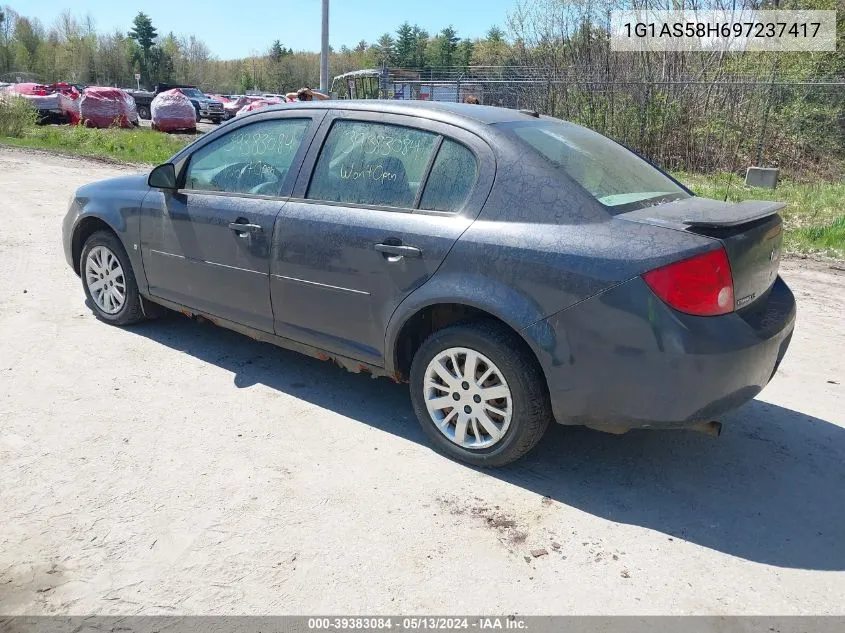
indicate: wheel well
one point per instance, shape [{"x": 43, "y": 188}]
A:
[
  {"x": 87, "y": 227},
  {"x": 427, "y": 321}
]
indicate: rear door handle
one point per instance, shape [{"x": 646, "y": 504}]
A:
[
  {"x": 243, "y": 229},
  {"x": 398, "y": 250}
]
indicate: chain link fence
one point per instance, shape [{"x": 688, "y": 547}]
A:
[{"x": 697, "y": 124}]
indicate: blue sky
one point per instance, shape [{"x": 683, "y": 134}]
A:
[{"x": 237, "y": 28}]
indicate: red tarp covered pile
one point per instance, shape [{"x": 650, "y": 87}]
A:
[
  {"x": 40, "y": 96},
  {"x": 259, "y": 104},
  {"x": 68, "y": 101},
  {"x": 62, "y": 98},
  {"x": 107, "y": 107},
  {"x": 173, "y": 111}
]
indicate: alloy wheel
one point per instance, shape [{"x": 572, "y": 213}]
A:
[
  {"x": 468, "y": 398},
  {"x": 105, "y": 279}
]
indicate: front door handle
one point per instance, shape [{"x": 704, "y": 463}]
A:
[
  {"x": 398, "y": 250},
  {"x": 245, "y": 229}
]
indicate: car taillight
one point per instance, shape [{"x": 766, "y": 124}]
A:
[{"x": 701, "y": 285}]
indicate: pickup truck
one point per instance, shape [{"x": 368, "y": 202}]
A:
[{"x": 206, "y": 107}]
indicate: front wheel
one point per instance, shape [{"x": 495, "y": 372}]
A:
[
  {"x": 144, "y": 113},
  {"x": 479, "y": 394},
  {"x": 108, "y": 280}
]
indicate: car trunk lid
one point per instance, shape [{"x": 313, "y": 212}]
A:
[{"x": 751, "y": 233}]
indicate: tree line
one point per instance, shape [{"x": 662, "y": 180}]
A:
[{"x": 73, "y": 50}]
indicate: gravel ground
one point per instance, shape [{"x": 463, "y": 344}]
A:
[{"x": 175, "y": 467}]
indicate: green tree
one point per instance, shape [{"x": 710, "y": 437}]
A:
[
  {"x": 145, "y": 34},
  {"x": 463, "y": 54},
  {"x": 493, "y": 50},
  {"x": 28, "y": 37},
  {"x": 385, "y": 50},
  {"x": 406, "y": 43},
  {"x": 420, "y": 59},
  {"x": 277, "y": 51},
  {"x": 443, "y": 48},
  {"x": 4, "y": 44},
  {"x": 495, "y": 35}
]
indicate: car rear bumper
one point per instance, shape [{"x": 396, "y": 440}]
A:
[{"x": 624, "y": 359}]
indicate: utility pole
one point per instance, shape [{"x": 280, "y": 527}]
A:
[{"x": 324, "y": 51}]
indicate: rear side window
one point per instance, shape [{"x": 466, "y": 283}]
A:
[
  {"x": 613, "y": 175},
  {"x": 372, "y": 163},
  {"x": 452, "y": 178}
]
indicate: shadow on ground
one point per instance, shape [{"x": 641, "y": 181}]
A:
[{"x": 770, "y": 490}]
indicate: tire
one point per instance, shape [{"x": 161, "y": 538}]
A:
[
  {"x": 519, "y": 373},
  {"x": 216, "y": 121},
  {"x": 96, "y": 249},
  {"x": 144, "y": 113}
]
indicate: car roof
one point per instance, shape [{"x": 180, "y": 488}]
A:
[{"x": 447, "y": 112}]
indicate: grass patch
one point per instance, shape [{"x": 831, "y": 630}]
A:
[
  {"x": 814, "y": 217},
  {"x": 131, "y": 146},
  {"x": 827, "y": 239}
]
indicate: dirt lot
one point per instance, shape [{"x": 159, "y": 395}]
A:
[{"x": 179, "y": 468}]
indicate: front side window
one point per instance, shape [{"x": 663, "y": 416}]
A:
[
  {"x": 613, "y": 175},
  {"x": 253, "y": 159},
  {"x": 372, "y": 163},
  {"x": 451, "y": 180}
]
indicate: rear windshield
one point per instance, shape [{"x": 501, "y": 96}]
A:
[{"x": 613, "y": 175}]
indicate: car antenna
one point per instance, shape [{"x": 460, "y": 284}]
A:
[{"x": 728, "y": 188}]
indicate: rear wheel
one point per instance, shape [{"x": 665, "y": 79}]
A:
[
  {"x": 479, "y": 394},
  {"x": 108, "y": 280},
  {"x": 144, "y": 112}
]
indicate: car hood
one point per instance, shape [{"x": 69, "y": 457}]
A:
[{"x": 134, "y": 182}]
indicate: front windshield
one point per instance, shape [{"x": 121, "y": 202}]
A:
[
  {"x": 613, "y": 175},
  {"x": 193, "y": 92}
]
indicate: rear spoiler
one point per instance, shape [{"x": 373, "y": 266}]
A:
[{"x": 704, "y": 212}]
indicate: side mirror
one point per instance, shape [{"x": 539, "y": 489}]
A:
[{"x": 163, "y": 177}]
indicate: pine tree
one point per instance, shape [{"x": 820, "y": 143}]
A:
[
  {"x": 386, "y": 50},
  {"x": 145, "y": 34},
  {"x": 495, "y": 34},
  {"x": 420, "y": 59},
  {"x": 463, "y": 54},
  {"x": 406, "y": 42},
  {"x": 277, "y": 51},
  {"x": 443, "y": 49}
]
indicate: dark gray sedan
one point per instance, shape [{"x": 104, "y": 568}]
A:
[{"x": 513, "y": 268}]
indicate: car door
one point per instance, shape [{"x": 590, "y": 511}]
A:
[
  {"x": 378, "y": 205},
  {"x": 207, "y": 245}
]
